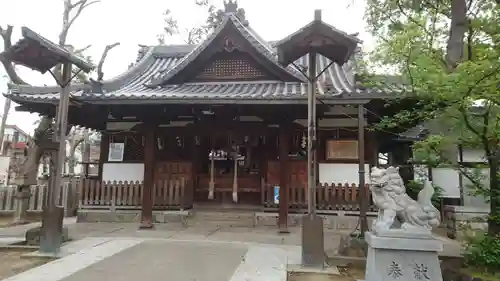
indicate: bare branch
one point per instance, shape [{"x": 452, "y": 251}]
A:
[
  {"x": 72, "y": 6},
  {"x": 81, "y": 6},
  {"x": 79, "y": 51},
  {"x": 100, "y": 74},
  {"x": 68, "y": 21}
]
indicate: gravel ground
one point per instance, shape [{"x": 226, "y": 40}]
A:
[
  {"x": 5, "y": 221},
  {"x": 12, "y": 262},
  {"x": 346, "y": 274}
]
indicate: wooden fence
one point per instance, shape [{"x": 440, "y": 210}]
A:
[
  {"x": 329, "y": 197},
  {"x": 113, "y": 195},
  {"x": 67, "y": 198}
]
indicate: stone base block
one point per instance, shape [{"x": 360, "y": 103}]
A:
[
  {"x": 335, "y": 221},
  {"x": 352, "y": 246},
  {"x": 405, "y": 259},
  {"x": 33, "y": 236},
  {"x": 131, "y": 216}
]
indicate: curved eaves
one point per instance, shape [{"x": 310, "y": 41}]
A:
[{"x": 122, "y": 79}]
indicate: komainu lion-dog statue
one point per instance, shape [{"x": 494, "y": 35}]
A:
[{"x": 389, "y": 195}]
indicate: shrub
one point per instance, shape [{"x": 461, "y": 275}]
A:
[{"x": 482, "y": 251}]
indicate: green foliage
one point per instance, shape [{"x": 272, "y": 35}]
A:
[
  {"x": 195, "y": 34},
  {"x": 453, "y": 82},
  {"x": 431, "y": 151},
  {"x": 483, "y": 252}
]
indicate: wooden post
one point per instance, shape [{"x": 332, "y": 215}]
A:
[
  {"x": 361, "y": 154},
  {"x": 284, "y": 175},
  {"x": 235, "y": 178},
  {"x": 211, "y": 183},
  {"x": 147, "y": 187}
]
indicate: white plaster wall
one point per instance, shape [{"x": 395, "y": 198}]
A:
[
  {"x": 123, "y": 172},
  {"x": 341, "y": 173},
  {"x": 446, "y": 178},
  {"x": 476, "y": 201},
  {"x": 449, "y": 179},
  {"x": 4, "y": 167},
  {"x": 473, "y": 155}
]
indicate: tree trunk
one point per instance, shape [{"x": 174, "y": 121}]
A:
[
  {"x": 6, "y": 109},
  {"x": 494, "y": 216},
  {"x": 458, "y": 27}
]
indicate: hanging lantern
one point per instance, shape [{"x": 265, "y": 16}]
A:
[{"x": 303, "y": 143}]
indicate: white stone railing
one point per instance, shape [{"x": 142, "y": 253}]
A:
[{"x": 67, "y": 198}]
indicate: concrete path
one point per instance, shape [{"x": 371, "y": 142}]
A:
[
  {"x": 263, "y": 235},
  {"x": 119, "y": 251},
  {"x": 132, "y": 259}
]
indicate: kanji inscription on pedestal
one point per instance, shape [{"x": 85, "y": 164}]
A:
[
  {"x": 395, "y": 270},
  {"x": 420, "y": 272}
]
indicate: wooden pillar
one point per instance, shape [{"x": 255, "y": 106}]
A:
[
  {"x": 195, "y": 158},
  {"x": 363, "y": 205},
  {"x": 103, "y": 153},
  {"x": 284, "y": 179},
  {"x": 317, "y": 151},
  {"x": 147, "y": 187}
]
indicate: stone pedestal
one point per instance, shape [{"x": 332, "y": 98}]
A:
[
  {"x": 313, "y": 249},
  {"x": 51, "y": 232},
  {"x": 399, "y": 255},
  {"x": 22, "y": 196}
]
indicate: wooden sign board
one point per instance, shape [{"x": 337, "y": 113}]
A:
[
  {"x": 116, "y": 152},
  {"x": 341, "y": 149},
  {"x": 95, "y": 153}
]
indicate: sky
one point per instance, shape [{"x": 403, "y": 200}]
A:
[{"x": 138, "y": 22}]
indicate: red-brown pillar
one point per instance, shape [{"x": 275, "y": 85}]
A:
[
  {"x": 284, "y": 180},
  {"x": 103, "y": 153},
  {"x": 147, "y": 187}
]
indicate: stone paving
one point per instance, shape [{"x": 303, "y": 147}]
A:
[
  {"x": 131, "y": 259},
  {"x": 119, "y": 251}
]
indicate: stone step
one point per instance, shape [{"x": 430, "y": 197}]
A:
[
  {"x": 223, "y": 215},
  {"x": 220, "y": 224},
  {"x": 216, "y": 218}
]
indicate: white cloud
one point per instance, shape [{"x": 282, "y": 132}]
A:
[{"x": 134, "y": 22}]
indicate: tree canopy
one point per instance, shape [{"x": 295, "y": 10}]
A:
[{"x": 448, "y": 53}]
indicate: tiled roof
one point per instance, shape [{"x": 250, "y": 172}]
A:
[
  {"x": 335, "y": 82},
  {"x": 415, "y": 133},
  {"x": 159, "y": 62},
  {"x": 261, "y": 47}
]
